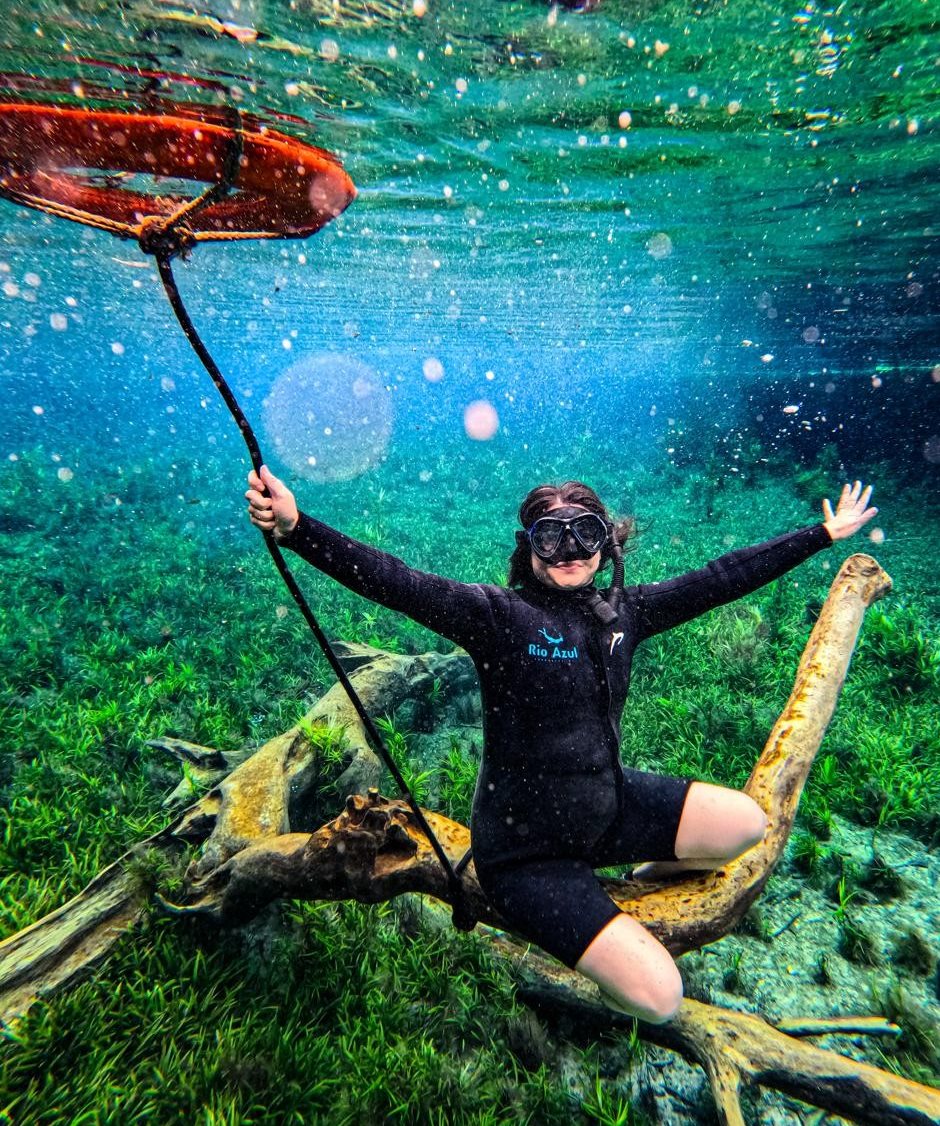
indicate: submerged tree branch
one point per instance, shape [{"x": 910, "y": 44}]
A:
[
  {"x": 701, "y": 908},
  {"x": 63, "y": 945},
  {"x": 683, "y": 915}
]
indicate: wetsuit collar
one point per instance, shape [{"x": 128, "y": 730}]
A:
[{"x": 537, "y": 591}]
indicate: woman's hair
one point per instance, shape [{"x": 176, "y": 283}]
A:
[{"x": 538, "y": 503}]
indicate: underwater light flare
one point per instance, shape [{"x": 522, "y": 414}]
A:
[
  {"x": 329, "y": 417},
  {"x": 480, "y": 420},
  {"x": 659, "y": 246},
  {"x": 433, "y": 369}
]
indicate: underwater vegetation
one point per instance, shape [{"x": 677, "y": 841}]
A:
[
  {"x": 337, "y": 1014},
  {"x": 347, "y": 1013}
]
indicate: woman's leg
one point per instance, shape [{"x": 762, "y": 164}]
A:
[
  {"x": 562, "y": 906},
  {"x": 717, "y": 824},
  {"x": 635, "y": 972}
]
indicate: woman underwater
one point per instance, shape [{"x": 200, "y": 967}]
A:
[{"x": 553, "y": 654}]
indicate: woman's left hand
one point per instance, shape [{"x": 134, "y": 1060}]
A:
[{"x": 851, "y": 512}]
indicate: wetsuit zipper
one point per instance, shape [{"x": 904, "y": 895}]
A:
[{"x": 614, "y": 735}]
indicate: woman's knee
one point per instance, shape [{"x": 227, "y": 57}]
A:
[
  {"x": 655, "y": 1001},
  {"x": 753, "y": 822},
  {"x": 662, "y": 997},
  {"x": 635, "y": 973},
  {"x": 669, "y": 1002},
  {"x": 718, "y": 822}
]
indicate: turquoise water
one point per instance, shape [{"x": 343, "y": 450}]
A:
[
  {"x": 719, "y": 212},
  {"x": 685, "y": 252}
]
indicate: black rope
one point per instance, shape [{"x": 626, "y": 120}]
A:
[
  {"x": 461, "y": 915},
  {"x": 165, "y": 249}
]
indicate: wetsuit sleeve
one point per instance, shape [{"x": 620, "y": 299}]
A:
[
  {"x": 660, "y": 606},
  {"x": 462, "y": 612}
]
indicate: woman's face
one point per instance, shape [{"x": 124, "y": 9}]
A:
[{"x": 568, "y": 575}]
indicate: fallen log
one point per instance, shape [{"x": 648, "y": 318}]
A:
[
  {"x": 278, "y": 789},
  {"x": 54, "y": 951},
  {"x": 60, "y": 947},
  {"x": 687, "y": 915},
  {"x": 684, "y": 915}
]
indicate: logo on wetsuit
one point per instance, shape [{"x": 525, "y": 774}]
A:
[{"x": 551, "y": 650}]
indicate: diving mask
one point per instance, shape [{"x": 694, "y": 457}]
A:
[{"x": 566, "y": 534}]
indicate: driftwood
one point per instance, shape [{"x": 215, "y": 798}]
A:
[
  {"x": 62, "y": 945},
  {"x": 258, "y": 843},
  {"x": 276, "y": 789},
  {"x": 683, "y": 915}
]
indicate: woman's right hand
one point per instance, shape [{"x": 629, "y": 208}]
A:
[{"x": 277, "y": 512}]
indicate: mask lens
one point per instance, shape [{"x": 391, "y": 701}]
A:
[
  {"x": 590, "y": 532},
  {"x": 545, "y": 536}
]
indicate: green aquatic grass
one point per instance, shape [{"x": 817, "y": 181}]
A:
[
  {"x": 193, "y": 637},
  {"x": 339, "y": 1014}
]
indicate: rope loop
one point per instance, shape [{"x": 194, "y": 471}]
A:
[{"x": 166, "y": 236}]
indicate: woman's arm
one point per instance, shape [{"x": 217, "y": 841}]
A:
[
  {"x": 660, "y": 606},
  {"x": 462, "y": 612}
]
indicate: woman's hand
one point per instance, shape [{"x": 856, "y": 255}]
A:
[
  {"x": 276, "y": 512},
  {"x": 851, "y": 512}
]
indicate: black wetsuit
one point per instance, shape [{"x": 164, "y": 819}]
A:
[{"x": 553, "y": 800}]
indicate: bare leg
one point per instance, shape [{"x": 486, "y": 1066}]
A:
[
  {"x": 635, "y": 972},
  {"x": 717, "y": 824}
]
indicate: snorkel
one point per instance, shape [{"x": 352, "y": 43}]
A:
[{"x": 606, "y": 610}]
